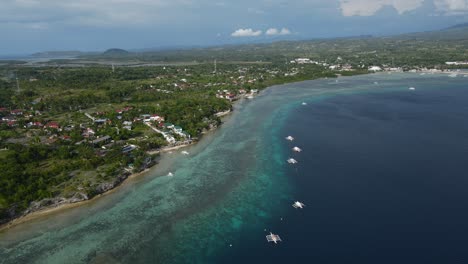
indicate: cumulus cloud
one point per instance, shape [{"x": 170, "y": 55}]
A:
[
  {"x": 370, "y": 7},
  {"x": 247, "y": 32},
  {"x": 275, "y": 32}
]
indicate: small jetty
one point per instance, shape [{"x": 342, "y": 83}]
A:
[
  {"x": 292, "y": 161},
  {"x": 185, "y": 153},
  {"x": 273, "y": 238},
  {"x": 296, "y": 149},
  {"x": 289, "y": 138},
  {"x": 298, "y": 205}
]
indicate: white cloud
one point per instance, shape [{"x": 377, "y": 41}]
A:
[
  {"x": 452, "y": 6},
  {"x": 370, "y": 7},
  {"x": 275, "y": 31},
  {"x": 248, "y": 32}
]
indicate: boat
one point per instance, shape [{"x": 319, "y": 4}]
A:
[
  {"x": 184, "y": 152},
  {"x": 453, "y": 75},
  {"x": 273, "y": 238},
  {"x": 298, "y": 205},
  {"x": 376, "y": 83},
  {"x": 297, "y": 149},
  {"x": 289, "y": 138},
  {"x": 304, "y": 103},
  {"x": 170, "y": 174},
  {"x": 412, "y": 88},
  {"x": 292, "y": 161}
]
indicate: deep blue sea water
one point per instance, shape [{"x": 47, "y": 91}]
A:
[
  {"x": 384, "y": 177},
  {"x": 383, "y": 174}
]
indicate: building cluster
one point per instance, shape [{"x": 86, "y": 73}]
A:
[
  {"x": 232, "y": 96},
  {"x": 456, "y": 63}
]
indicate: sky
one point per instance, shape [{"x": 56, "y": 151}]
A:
[{"x": 28, "y": 26}]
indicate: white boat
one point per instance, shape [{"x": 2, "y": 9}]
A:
[
  {"x": 376, "y": 83},
  {"x": 453, "y": 75},
  {"x": 170, "y": 174},
  {"x": 184, "y": 152},
  {"x": 297, "y": 149},
  {"x": 273, "y": 238},
  {"x": 298, "y": 205},
  {"x": 250, "y": 97},
  {"x": 304, "y": 103},
  {"x": 292, "y": 161},
  {"x": 412, "y": 88},
  {"x": 289, "y": 138}
]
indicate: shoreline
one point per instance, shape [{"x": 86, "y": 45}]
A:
[
  {"x": 65, "y": 206},
  {"x": 163, "y": 150}
]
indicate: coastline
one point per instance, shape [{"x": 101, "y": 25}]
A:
[
  {"x": 65, "y": 206},
  {"x": 49, "y": 210}
]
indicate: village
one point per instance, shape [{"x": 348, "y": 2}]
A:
[{"x": 78, "y": 132}]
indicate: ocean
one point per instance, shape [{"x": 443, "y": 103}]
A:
[{"x": 382, "y": 174}]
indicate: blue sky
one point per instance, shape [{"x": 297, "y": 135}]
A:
[{"x": 37, "y": 25}]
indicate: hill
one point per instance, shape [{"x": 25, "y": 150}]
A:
[
  {"x": 115, "y": 52},
  {"x": 54, "y": 54}
]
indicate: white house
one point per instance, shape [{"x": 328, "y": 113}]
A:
[{"x": 375, "y": 68}]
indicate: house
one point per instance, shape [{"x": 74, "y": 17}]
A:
[
  {"x": 9, "y": 118},
  {"x": 157, "y": 118},
  {"x": 35, "y": 124},
  {"x": 101, "y": 140},
  {"x": 146, "y": 118},
  {"x": 12, "y": 123},
  {"x": 100, "y": 121},
  {"x": 230, "y": 96},
  {"x": 17, "y": 112},
  {"x": 375, "y": 68},
  {"x": 89, "y": 132},
  {"x": 128, "y": 148},
  {"x": 53, "y": 125},
  {"x": 168, "y": 125}
]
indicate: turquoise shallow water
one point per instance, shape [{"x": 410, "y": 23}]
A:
[{"x": 232, "y": 187}]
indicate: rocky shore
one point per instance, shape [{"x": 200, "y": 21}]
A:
[{"x": 45, "y": 206}]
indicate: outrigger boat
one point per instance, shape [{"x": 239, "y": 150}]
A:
[
  {"x": 298, "y": 205},
  {"x": 273, "y": 238},
  {"x": 297, "y": 149}
]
